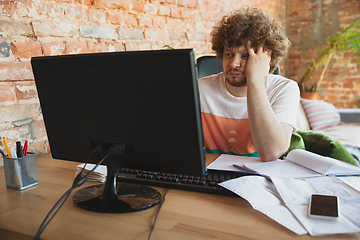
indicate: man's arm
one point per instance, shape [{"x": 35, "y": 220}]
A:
[{"x": 271, "y": 138}]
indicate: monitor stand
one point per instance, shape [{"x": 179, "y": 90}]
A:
[{"x": 116, "y": 197}]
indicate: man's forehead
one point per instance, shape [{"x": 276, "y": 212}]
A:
[{"x": 236, "y": 49}]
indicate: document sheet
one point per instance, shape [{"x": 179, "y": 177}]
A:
[{"x": 287, "y": 200}]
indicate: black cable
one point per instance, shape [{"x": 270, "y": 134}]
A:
[
  {"x": 153, "y": 226},
  {"x": 79, "y": 180}
]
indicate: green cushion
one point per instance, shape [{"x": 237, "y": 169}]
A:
[
  {"x": 296, "y": 142},
  {"x": 321, "y": 144}
]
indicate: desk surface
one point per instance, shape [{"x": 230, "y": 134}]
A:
[{"x": 184, "y": 214}]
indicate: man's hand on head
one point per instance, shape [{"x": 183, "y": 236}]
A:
[{"x": 258, "y": 63}]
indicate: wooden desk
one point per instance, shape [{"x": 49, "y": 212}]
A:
[{"x": 184, "y": 215}]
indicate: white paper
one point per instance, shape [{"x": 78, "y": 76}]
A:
[
  {"x": 225, "y": 162},
  {"x": 262, "y": 196},
  {"x": 302, "y": 164},
  {"x": 287, "y": 200},
  {"x": 281, "y": 169},
  {"x": 322, "y": 164},
  {"x": 99, "y": 175},
  {"x": 351, "y": 181},
  {"x": 297, "y": 192}
]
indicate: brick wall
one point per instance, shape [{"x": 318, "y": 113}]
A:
[
  {"x": 54, "y": 27},
  {"x": 43, "y": 27},
  {"x": 308, "y": 24}
]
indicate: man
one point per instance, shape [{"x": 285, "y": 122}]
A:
[{"x": 245, "y": 109}]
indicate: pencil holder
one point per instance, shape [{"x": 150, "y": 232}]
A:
[{"x": 21, "y": 173}]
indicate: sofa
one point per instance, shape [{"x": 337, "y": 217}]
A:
[{"x": 340, "y": 124}]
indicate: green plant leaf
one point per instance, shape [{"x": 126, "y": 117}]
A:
[{"x": 168, "y": 47}]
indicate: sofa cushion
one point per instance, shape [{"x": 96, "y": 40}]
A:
[
  {"x": 346, "y": 133},
  {"x": 296, "y": 142},
  {"x": 320, "y": 114},
  {"x": 302, "y": 121},
  {"x": 321, "y": 144}
]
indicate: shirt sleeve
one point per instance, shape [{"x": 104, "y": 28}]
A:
[{"x": 284, "y": 97}]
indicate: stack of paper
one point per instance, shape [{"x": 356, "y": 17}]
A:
[
  {"x": 99, "y": 175},
  {"x": 285, "y": 197}
]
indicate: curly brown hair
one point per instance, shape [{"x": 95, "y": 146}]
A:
[{"x": 250, "y": 24}]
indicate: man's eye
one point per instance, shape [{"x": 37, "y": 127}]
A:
[
  {"x": 245, "y": 55},
  {"x": 229, "y": 54}
]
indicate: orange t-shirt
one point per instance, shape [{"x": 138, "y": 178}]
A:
[{"x": 225, "y": 119}]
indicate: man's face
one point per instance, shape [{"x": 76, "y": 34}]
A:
[{"x": 234, "y": 63}]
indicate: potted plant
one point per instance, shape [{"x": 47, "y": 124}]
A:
[{"x": 346, "y": 41}]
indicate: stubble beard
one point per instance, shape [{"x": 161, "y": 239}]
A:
[{"x": 235, "y": 82}]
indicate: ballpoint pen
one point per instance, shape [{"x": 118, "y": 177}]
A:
[
  {"x": 7, "y": 147},
  {"x": 19, "y": 150},
  {"x": 2, "y": 153},
  {"x": 25, "y": 147},
  {"x": 246, "y": 170}
]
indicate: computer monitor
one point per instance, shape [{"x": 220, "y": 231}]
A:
[{"x": 146, "y": 101}]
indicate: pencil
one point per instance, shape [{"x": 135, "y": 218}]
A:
[{"x": 7, "y": 147}]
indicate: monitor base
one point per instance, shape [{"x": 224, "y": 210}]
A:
[{"x": 128, "y": 198}]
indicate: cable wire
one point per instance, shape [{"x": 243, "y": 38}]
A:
[
  {"x": 157, "y": 213},
  {"x": 79, "y": 180}
]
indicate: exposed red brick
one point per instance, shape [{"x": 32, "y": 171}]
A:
[
  {"x": 112, "y": 4},
  {"x": 26, "y": 49},
  {"x": 182, "y": 3},
  {"x": 159, "y": 36},
  {"x": 118, "y": 47},
  {"x": 85, "y": 2},
  {"x": 14, "y": 71},
  {"x": 145, "y": 21},
  {"x": 348, "y": 85},
  {"x": 54, "y": 48},
  {"x": 331, "y": 97},
  {"x": 185, "y": 14},
  {"x": 175, "y": 12},
  {"x": 10, "y": 7},
  {"x": 137, "y": 6},
  {"x": 206, "y": 16},
  {"x": 191, "y": 3},
  {"x": 76, "y": 47},
  {"x": 97, "y": 47},
  {"x": 6, "y": 94},
  {"x": 159, "y": 23},
  {"x": 25, "y": 91},
  {"x": 38, "y": 128},
  {"x": 151, "y": 9},
  {"x": 115, "y": 17},
  {"x": 189, "y": 26},
  {"x": 131, "y": 19},
  {"x": 175, "y": 24}
]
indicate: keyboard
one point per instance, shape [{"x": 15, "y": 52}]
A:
[{"x": 207, "y": 184}]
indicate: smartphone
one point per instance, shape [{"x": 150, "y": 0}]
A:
[{"x": 324, "y": 207}]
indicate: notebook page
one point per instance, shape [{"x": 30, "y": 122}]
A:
[
  {"x": 281, "y": 169},
  {"x": 324, "y": 165},
  {"x": 343, "y": 168},
  {"x": 311, "y": 160}
]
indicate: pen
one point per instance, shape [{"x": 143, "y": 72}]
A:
[
  {"x": 246, "y": 170},
  {"x": 2, "y": 153},
  {"x": 13, "y": 153},
  {"x": 7, "y": 147},
  {"x": 25, "y": 147},
  {"x": 19, "y": 149}
]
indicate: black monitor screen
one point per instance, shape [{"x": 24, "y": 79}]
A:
[{"x": 146, "y": 100}]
